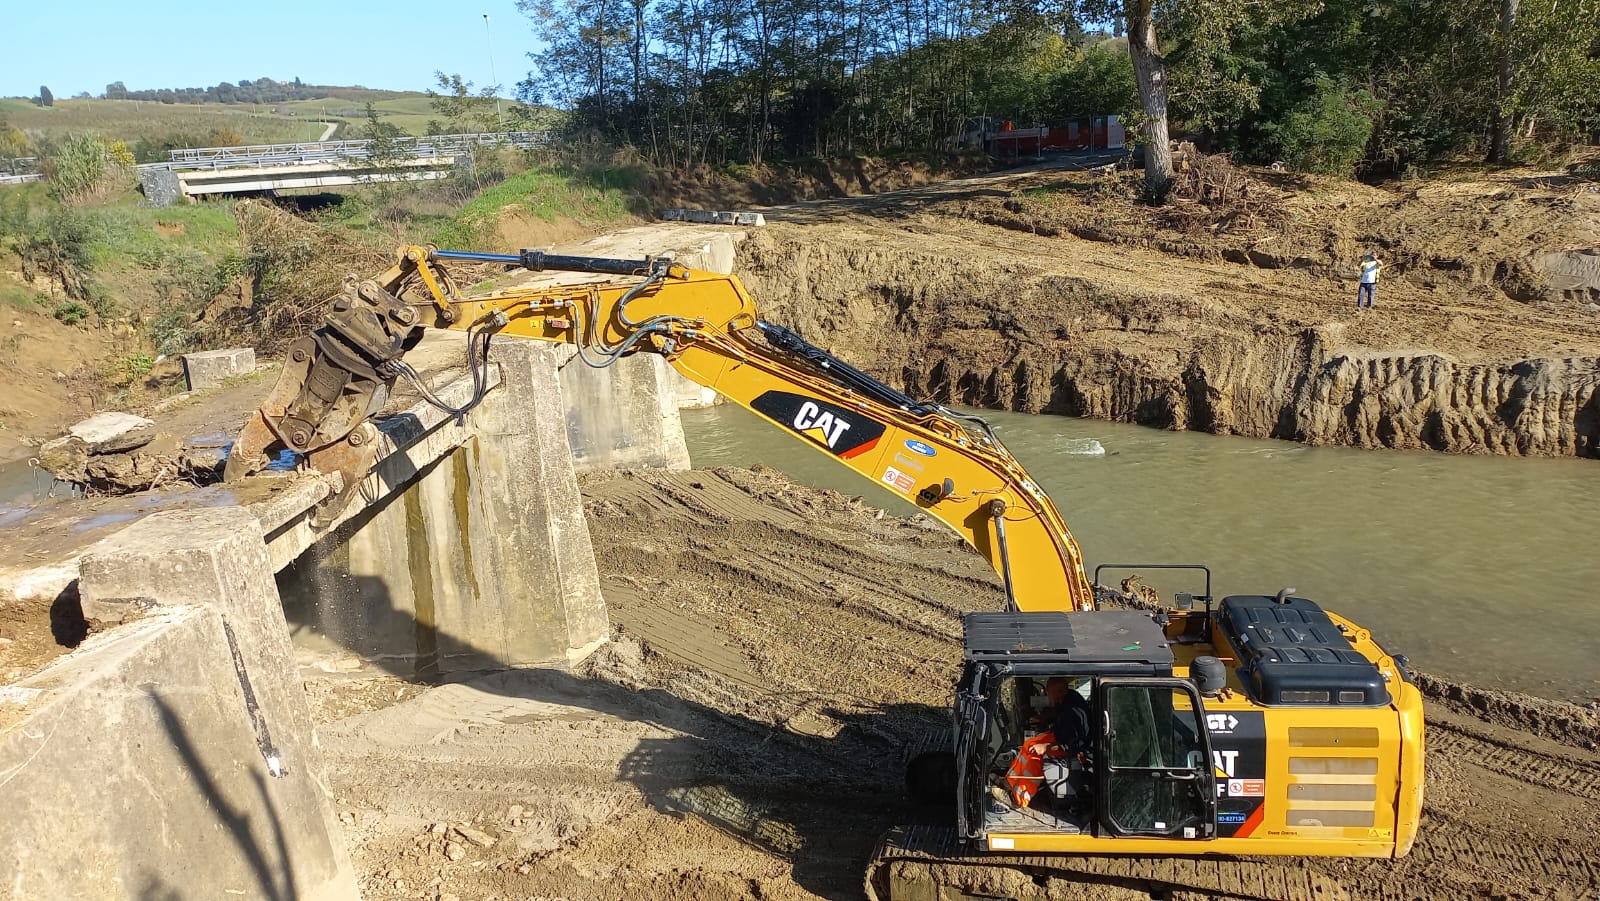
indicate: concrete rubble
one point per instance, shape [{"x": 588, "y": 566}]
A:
[
  {"x": 211, "y": 368},
  {"x": 117, "y": 453},
  {"x": 112, "y": 433},
  {"x": 713, "y": 217}
]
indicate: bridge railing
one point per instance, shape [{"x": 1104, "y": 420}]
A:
[{"x": 430, "y": 146}]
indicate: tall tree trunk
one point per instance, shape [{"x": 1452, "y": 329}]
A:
[
  {"x": 1150, "y": 71},
  {"x": 1500, "y": 145}
]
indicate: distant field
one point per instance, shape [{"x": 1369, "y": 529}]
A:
[
  {"x": 275, "y": 123},
  {"x": 408, "y": 112},
  {"x": 136, "y": 120}
]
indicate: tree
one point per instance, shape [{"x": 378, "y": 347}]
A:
[
  {"x": 45, "y": 97},
  {"x": 1500, "y": 145},
  {"x": 1150, "y": 72},
  {"x": 463, "y": 110},
  {"x": 116, "y": 91}
]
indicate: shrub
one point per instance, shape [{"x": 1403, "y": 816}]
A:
[
  {"x": 137, "y": 365},
  {"x": 84, "y": 167},
  {"x": 55, "y": 246},
  {"x": 1327, "y": 131},
  {"x": 71, "y": 312}
]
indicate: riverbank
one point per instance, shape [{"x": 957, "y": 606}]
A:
[
  {"x": 776, "y": 646},
  {"x": 1053, "y": 292}
]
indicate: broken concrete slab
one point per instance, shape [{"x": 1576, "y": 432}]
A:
[
  {"x": 66, "y": 458},
  {"x": 113, "y": 433},
  {"x": 210, "y": 368}
]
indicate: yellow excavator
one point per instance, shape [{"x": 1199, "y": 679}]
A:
[{"x": 1125, "y": 746}]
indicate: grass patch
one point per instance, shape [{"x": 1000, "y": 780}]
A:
[
  {"x": 595, "y": 198},
  {"x": 145, "y": 237},
  {"x": 21, "y": 297}
]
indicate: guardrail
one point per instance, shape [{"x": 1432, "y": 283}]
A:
[{"x": 189, "y": 158}]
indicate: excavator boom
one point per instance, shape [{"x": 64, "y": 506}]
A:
[{"x": 948, "y": 463}]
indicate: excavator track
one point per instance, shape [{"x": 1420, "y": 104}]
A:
[{"x": 928, "y": 863}]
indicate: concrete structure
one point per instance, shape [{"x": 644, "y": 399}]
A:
[
  {"x": 176, "y": 751},
  {"x": 713, "y": 217},
  {"x": 197, "y": 171},
  {"x": 467, "y": 548},
  {"x": 330, "y": 174},
  {"x": 627, "y": 415},
  {"x": 210, "y": 368}
]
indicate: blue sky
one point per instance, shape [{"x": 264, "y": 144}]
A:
[{"x": 83, "y": 45}]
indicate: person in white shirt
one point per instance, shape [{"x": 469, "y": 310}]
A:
[{"x": 1371, "y": 265}]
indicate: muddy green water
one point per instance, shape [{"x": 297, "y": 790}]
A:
[{"x": 1477, "y": 568}]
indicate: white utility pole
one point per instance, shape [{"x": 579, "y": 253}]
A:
[{"x": 488, "y": 43}]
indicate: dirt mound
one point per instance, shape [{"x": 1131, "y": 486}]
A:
[
  {"x": 52, "y": 377},
  {"x": 1081, "y": 304},
  {"x": 776, "y": 647}
]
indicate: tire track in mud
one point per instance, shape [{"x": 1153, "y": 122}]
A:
[{"x": 1567, "y": 775}]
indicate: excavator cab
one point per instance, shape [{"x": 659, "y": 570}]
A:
[{"x": 1141, "y": 765}]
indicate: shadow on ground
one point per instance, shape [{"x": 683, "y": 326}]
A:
[{"x": 820, "y": 803}]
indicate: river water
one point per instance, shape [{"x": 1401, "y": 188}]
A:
[{"x": 1477, "y": 568}]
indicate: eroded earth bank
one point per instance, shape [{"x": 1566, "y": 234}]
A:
[
  {"x": 774, "y": 648},
  {"x": 1053, "y": 292}
]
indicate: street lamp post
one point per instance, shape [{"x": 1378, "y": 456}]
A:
[{"x": 488, "y": 43}]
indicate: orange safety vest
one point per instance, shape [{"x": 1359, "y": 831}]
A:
[{"x": 1026, "y": 773}]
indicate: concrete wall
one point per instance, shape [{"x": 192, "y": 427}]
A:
[
  {"x": 172, "y": 756},
  {"x": 479, "y": 559},
  {"x": 627, "y": 415}
]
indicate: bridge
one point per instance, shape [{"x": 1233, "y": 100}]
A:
[{"x": 191, "y": 172}]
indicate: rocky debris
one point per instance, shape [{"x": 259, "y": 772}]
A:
[
  {"x": 210, "y": 368},
  {"x": 475, "y": 836},
  {"x": 111, "y": 433},
  {"x": 117, "y": 453}
]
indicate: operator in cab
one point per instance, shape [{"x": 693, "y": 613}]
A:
[{"x": 1049, "y": 770}]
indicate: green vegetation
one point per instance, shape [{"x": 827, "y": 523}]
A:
[
  {"x": 20, "y": 297},
  {"x": 1335, "y": 85},
  {"x": 71, "y": 312},
  {"x": 594, "y": 198},
  {"x": 1326, "y": 132}
]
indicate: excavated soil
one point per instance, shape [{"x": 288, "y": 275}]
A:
[
  {"x": 1055, "y": 292},
  {"x": 775, "y": 647}
]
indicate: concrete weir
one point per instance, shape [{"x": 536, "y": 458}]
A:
[{"x": 172, "y": 753}]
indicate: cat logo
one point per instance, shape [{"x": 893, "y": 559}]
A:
[
  {"x": 820, "y": 425},
  {"x": 845, "y": 433}
]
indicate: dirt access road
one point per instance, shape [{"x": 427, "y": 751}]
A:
[{"x": 775, "y": 646}]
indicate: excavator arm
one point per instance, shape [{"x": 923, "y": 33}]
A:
[{"x": 705, "y": 325}]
